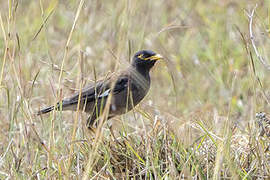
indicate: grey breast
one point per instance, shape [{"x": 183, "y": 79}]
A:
[{"x": 135, "y": 91}]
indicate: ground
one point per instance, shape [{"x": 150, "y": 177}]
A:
[{"x": 197, "y": 122}]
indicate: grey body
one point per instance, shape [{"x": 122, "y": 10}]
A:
[
  {"x": 126, "y": 90},
  {"x": 129, "y": 88}
]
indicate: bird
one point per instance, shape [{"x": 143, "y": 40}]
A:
[{"x": 127, "y": 89}]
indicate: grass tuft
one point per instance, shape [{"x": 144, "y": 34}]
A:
[{"x": 206, "y": 115}]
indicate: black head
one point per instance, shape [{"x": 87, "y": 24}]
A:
[{"x": 145, "y": 59}]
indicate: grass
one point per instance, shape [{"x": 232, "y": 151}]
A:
[{"x": 198, "y": 120}]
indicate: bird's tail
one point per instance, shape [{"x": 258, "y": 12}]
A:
[{"x": 45, "y": 110}]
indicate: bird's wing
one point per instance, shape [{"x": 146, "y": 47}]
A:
[
  {"x": 88, "y": 93},
  {"x": 121, "y": 84},
  {"x": 100, "y": 90},
  {"x": 118, "y": 86}
]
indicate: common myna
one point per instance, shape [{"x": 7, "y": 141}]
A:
[{"x": 127, "y": 90}]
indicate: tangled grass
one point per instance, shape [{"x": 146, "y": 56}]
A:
[{"x": 198, "y": 120}]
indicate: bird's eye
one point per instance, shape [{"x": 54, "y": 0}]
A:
[{"x": 140, "y": 56}]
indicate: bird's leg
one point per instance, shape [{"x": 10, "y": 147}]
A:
[
  {"x": 90, "y": 121},
  {"x": 113, "y": 136}
]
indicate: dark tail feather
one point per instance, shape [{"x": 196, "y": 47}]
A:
[{"x": 45, "y": 110}]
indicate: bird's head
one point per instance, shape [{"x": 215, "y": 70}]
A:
[{"x": 145, "y": 59}]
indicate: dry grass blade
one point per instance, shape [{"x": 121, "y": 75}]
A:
[
  {"x": 75, "y": 123},
  {"x": 197, "y": 120},
  {"x": 6, "y": 49},
  {"x": 43, "y": 24},
  {"x": 252, "y": 39},
  {"x": 92, "y": 158},
  {"x": 68, "y": 41}
]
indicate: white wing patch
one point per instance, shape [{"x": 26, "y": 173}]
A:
[{"x": 105, "y": 93}]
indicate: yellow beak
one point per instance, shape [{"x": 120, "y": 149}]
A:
[{"x": 155, "y": 57}]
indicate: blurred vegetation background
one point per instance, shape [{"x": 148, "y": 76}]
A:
[{"x": 198, "y": 120}]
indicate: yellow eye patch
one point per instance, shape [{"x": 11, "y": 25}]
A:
[
  {"x": 141, "y": 56},
  {"x": 154, "y": 57}
]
